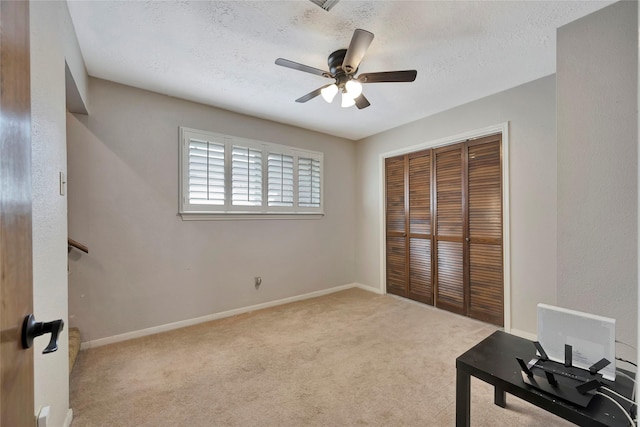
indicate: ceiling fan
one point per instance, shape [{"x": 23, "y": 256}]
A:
[{"x": 343, "y": 65}]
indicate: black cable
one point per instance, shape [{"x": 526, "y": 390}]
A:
[{"x": 627, "y": 361}]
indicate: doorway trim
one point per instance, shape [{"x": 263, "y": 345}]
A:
[{"x": 502, "y": 128}]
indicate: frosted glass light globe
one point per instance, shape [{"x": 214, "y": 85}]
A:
[
  {"x": 354, "y": 88},
  {"x": 329, "y": 92}
]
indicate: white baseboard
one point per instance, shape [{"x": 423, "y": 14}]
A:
[
  {"x": 69, "y": 418},
  {"x": 216, "y": 316},
  {"x": 369, "y": 288},
  {"x": 524, "y": 334}
]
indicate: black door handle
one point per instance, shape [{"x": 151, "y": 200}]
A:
[{"x": 32, "y": 329}]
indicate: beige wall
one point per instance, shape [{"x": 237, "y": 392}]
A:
[
  {"x": 52, "y": 43},
  {"x": 597, "y": 166},
  {"x": 530, "y": 111},
  {"x": 146, "y": 267}
]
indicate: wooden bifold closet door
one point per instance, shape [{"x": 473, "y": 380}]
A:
[
  {"x": 396, "y": 226},
  {"x": 409, "y": 234},
  {"x": 449, "y": 225},
  {"x": 444, "y": 227},
  {"x": 484, "y": 231}
]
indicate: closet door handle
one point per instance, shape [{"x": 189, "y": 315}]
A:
[
  {"x": 467, "y": 239},
  {"x": 404, "y": 234}
]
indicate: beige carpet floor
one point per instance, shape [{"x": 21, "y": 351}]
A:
[{"x": 347, "y": 359}]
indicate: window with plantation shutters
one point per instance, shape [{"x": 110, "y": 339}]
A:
[
  {"x": 206, "y": 172},
  {"x": 308, "y": 182},
  {"x": 222, "y": 175},
  {"x": 246, "y": 176},
  {"x": 280, "y": 179}
]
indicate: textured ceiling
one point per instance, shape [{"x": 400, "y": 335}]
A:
[{"x": 222, "y": 53}]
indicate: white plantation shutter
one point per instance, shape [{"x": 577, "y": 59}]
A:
[
  {"x": 222, "y": 175},
  {"x": 246, "y": 176},
  {"x": 280, "y": 179},
  {"x": 308, "y": 182},
  {"x": 206, "y": 172}
]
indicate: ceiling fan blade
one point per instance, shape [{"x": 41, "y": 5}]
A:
[
  {"x": 362, "y": 102},
  {"x": 311, "y": 95},
  {"x": 357, "y": 48},
  {"x": 388, "y": 76},
  {"x": 301, "y": 67}
]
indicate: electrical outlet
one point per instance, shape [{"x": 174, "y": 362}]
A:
[{"x": 257, "y": 281}]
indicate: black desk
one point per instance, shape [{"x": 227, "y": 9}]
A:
[{"x": 494, "y": 361}]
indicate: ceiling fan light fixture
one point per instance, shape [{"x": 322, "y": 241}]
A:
[
  {"x": 329, "y": 92},
  {"x": 347, "y": 100},
  {"x": 343, "y": 64},
  {"x": 353, "y": 88}
]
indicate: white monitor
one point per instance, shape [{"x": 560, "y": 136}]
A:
[{"x": 592, "y": 337}]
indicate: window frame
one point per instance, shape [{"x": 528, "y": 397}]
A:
[{"x": 192, "y": 211}]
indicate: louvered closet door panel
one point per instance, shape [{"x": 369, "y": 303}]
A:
[
  {"x": 449, "y": 229},
  {"x": 395, "y": 209},
  {"x": 396, "y": 265},
  {"x": 420, "y": 274},
  {"x": 449, "y": 192},
  {"x": 420, "y": 278},
  {"x": 485, "y": 193},
  {"x": 486, "y": 286},
  {"x": 396, "y": 226},
  {"x": 420, "y": 193},
  {"x": 450, "y": 262}
]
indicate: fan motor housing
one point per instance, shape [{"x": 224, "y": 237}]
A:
[{"x": 335, "y": 62}]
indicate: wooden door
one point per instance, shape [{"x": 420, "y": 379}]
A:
[
  {"x": 444, "y": 227},
  {"x": 419, "y": 239},
  {"x": 484, "y": 189},
  {"x": 396, "y": 225},
  {"x": 16, "y": 364},
  {"x": 408, "y": 226},
  {"x": 449, "y": 228}
]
